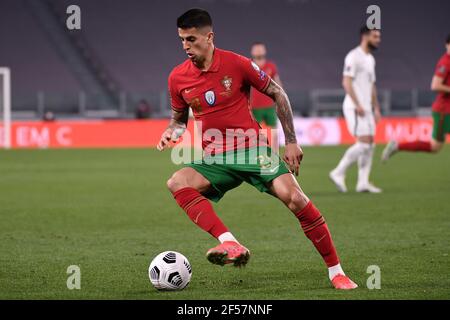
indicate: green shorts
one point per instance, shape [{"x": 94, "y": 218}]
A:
[
  {"x": 441, "y": 125},
  {"x": 266, "y": 115},
  {"x": 256, "y": 166}
]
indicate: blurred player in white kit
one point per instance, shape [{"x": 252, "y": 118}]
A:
[{"x": 361, "y": 111}]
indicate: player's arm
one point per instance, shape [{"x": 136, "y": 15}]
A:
[
  {"x": 376, "y": 103},
  {"x": 347, "y": 83},
  {"x": 176, "y": 128},
  {"x": 293, "y": 153},
  {"x": 437, "y": 84}
]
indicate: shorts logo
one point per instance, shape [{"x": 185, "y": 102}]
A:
[
  {"x": 264, "y": 161},
  {"x": 210, "y": 97}
]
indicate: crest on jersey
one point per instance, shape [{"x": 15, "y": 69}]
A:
[
  {"x": 210, "y": 97},
  {"x": 227, "y": 82}
]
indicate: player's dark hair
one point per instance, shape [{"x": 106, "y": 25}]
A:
[
  {"x": 448, "y": 39},
  {"x": 364, "y": 30},
  {"x": 194, "y": 18},
  {"x": 258, "y": 43}
]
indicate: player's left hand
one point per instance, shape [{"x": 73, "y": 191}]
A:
[
  {"x": 293, "y": 155},
  {"x": 377, "y": 114}
]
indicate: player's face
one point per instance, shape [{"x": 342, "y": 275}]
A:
[
  {"x": 196, "y": 43},
  {"x": 259, "y": 54},
  {"x": 374, "y": 39}
]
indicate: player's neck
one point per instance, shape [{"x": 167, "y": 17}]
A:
[
  {"x": 262, "y": 63},
  {"x": 207, "y": 63},
  {"x": 365, "y": 47}
]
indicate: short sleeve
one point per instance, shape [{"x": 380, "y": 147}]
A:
[
  {"x": 350, "y": 66},
  {"x": 442, "y": 69},
  {"x": 253, "y": 75},
  {"x": 176, "y": 100}
]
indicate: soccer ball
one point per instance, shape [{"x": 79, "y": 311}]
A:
[{"x": 170, "y": 270}]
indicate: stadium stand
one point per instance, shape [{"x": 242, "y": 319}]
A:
[{"x": 124, "y": 54}]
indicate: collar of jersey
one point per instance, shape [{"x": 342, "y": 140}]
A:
[{"x": 214, "y": 66}]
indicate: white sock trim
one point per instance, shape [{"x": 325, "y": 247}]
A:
[
  {"x": 227, "y": 236},
  {"x": 335, "y": 270}
]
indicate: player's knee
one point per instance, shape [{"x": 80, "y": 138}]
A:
[
  {"x": 176, "y": 182},
  {"x": 436, "y": 146},
  {"x": 297, "y": 201}
]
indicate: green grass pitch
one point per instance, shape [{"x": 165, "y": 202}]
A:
[{"x": 109, "y": 212}]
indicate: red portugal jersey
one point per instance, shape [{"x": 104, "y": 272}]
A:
[
  {"x": 219, "y": 99},
  {"x": 442, "y": 102},
  {"x": 259, "y": 100}
]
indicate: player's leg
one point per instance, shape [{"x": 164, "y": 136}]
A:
[
  {"x": 286, "y": 188},
  {"x": 365, "y": 164},
  {"x": 190, "y": 189},
  {"x": 441, "y": 127},
  {"x": 351, "y": 155},
  {"x": 187, "y": 187},
  {"x": 270, "y": 119}
]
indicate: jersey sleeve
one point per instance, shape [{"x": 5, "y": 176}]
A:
[
  {"x": 349, "y": 66},
  {"x": 176, "y": 100},
  {"x": 442, "y": 70},
  {"x": 253, "y": 75}
]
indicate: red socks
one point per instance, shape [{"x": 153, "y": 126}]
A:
[
  {"x": 315, "y": 228},
  {"x": 424, "y": 146},
  {"x": 200, "y": 211}
]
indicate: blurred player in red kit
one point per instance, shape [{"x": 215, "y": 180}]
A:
[
  {"x": 440, "y": 112},
  {"x": 216, "y": 84},
  {"x": 263, "y": 107}
]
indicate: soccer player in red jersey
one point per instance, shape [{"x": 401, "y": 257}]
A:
[
  {"x": 263, "y": 107},
  {"x": 440, "y": 113},
  {"x": 215, "y": 84}
]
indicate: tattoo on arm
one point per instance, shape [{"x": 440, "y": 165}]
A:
[
  {"x": 179, "y": 118},
  {"x": 284, "y": 110}
]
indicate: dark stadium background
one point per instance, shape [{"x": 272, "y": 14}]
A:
[
  {"x": 97, "y": 196},
  {"x": 131, "y": 46}
]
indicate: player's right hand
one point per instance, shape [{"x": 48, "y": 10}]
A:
[
  {"x": 360, "y": 111},
  {"x": 293, "y": 155},
  {"x": 165, "y": 139}
]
